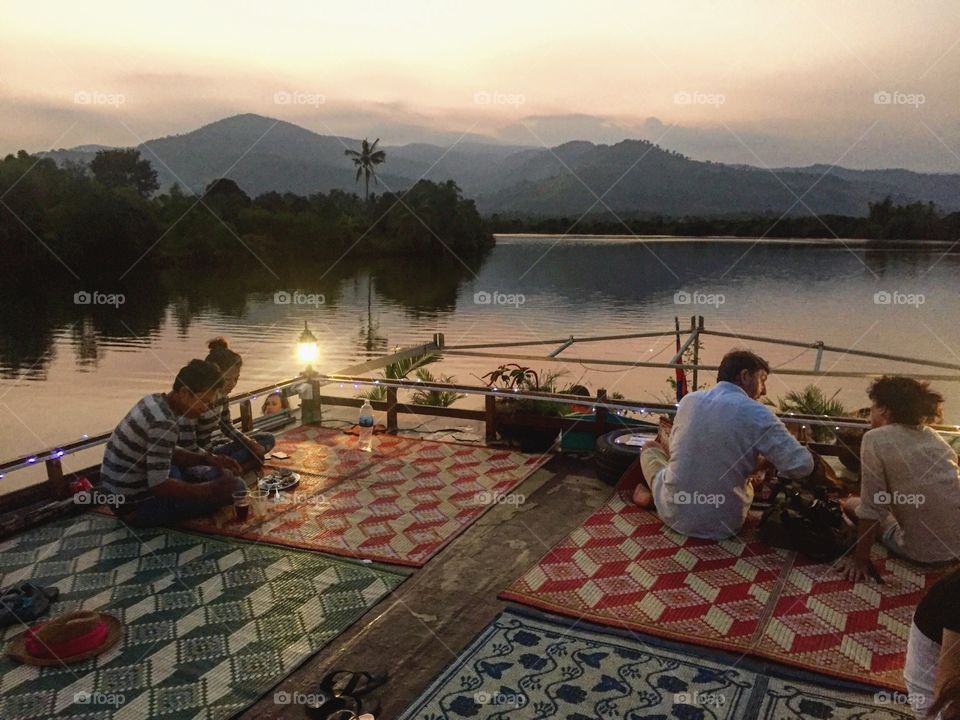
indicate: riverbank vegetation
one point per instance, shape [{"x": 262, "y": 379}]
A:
[
  {"x": 885, "y": 222},
  {"x": 108, "y": 219}
]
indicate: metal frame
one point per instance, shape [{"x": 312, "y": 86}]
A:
[{"x": 354, "y": 374}]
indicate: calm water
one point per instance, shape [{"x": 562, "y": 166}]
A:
[{"x": 68, "y": 369}]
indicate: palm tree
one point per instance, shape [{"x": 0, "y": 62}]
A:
[{"x": 366, "y": 161}]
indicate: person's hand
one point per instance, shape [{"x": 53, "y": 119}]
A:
[
  {"x": 222, "y": 488},
  {"x": 653, "y": 444},
  {"x": 856, "y": 570},
  {"x": 225, "y": 462}
]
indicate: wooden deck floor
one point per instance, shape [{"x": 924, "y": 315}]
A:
[{"x": 418, "y": 630}]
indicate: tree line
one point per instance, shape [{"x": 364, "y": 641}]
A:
[
  {"x": 108, "y": 216},
  {"x": 885, "y": 222}
]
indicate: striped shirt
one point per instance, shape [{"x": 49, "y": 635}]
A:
[
  {"x": 138, "y": 454},
  {"x": 197, "y": 434}
]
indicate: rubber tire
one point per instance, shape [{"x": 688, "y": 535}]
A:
[{"x": 611, "y": 459}]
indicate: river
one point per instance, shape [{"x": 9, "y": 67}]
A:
[{"x": 68, "y": 369}]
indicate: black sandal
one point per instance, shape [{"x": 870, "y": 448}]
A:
[
  {"x": 340, "y": 707},
  {"x": 349, "y": 682}
]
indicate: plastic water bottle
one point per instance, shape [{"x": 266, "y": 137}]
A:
[{"x": 366, "y": 427}]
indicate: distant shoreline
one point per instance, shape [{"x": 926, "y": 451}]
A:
[{"x": 735, "y": 240}]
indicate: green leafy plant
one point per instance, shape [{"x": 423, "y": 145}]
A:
[
  {"x": 811, "y": 400},
  {"x": 514, "y": 377},
  {"x": 435, "y": 398},
  {"x": 398, "y": 370}
]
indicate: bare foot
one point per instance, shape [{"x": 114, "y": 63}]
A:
[{"x": 642, "y": 497}]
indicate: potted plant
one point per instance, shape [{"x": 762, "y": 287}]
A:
[{"x": 511, "y": 427}]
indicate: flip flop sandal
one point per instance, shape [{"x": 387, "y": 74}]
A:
[
  {"x": 352, "y": 683},
  {"x": 340, "y": 707},
  {"x": 25, "y": 603}
]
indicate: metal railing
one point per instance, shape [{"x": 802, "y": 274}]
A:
[{"x": 601, "y": 404}]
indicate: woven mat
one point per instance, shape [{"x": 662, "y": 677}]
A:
[
  {"x": 526, "y": 667},
  {"x": 400, "y": 504},
  {"x": 209, "y": 626},
  {"x": 623, "y": 567}
]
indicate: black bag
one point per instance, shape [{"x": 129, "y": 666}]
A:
[{"x": 803, "y": 518}]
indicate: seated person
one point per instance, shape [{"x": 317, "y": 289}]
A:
[
  {"x": 247, "y": 450},
  {"x": 141, "y": 461},
  {"x": 275, "y": 402},
  {"x": 909, "y": 480},
  {"x": 932, "y": 668},
  {"x": 701, "y": 483}
]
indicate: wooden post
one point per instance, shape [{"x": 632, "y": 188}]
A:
[
  {"x": 246, "y": 416},
  {"x": 600, "y": 417},
  {"x": 391, "y": 409},
  {"x": 58, "y": 485},
  {"x": 490, "y": 417}
]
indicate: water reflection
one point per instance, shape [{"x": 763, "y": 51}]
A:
[{"x": 34, "y": 314}]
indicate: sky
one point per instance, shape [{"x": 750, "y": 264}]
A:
[{"x": 864, "y": 84}]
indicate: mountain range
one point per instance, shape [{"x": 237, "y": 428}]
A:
[{"x": 628, "y": 178}]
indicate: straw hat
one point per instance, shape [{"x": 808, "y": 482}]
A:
[{"x": 67, "y": 639}]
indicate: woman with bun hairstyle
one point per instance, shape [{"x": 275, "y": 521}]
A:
[
  {"x": 910, "y": 481},
  {"x": 248, "y": 450}
]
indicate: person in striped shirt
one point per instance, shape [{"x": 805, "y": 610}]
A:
[
  {"x": 142, "y": 463},
  {"x": 197, "y": 433}
]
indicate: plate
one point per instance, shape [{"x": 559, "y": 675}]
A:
[{"x": 280, "y": 481}]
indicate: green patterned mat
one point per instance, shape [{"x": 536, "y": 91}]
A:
[{"x": 209, "y": 625}]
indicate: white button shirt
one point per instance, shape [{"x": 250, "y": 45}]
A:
[{"x": 717, "y": 435}]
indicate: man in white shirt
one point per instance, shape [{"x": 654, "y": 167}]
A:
[{"x": 699, "y": 481}]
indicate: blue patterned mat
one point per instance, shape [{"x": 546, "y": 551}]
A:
[{"x": 528, "y": 667}]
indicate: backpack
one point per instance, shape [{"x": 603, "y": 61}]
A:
[{"x": 805, "y": 519}]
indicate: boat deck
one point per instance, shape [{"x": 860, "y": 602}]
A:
[{"x": 421, "y": 627}]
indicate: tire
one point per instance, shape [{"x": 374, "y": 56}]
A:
[{"x": 612, "y": 458}]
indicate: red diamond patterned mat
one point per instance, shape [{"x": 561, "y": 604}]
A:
[
  {"x": 623, "y": 567},
  {"x": 399, "y": 504}
]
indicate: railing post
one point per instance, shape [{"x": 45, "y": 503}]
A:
[
  {"x": 246, "y": 415},
  {"x": 696, "y": 353},
  {"x": 600, "y": 416},
  {"x": 816, "y": 363},
  {"x": 58, "y": 485},
  {"x": 490, "y": 417},
  {"x": 391, "y": 409},
  {"x": 311, "y": 413}
]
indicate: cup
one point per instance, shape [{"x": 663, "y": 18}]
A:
[
  {"x": 241, "y": 504},
  {"x": 258, "y": 502}
]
